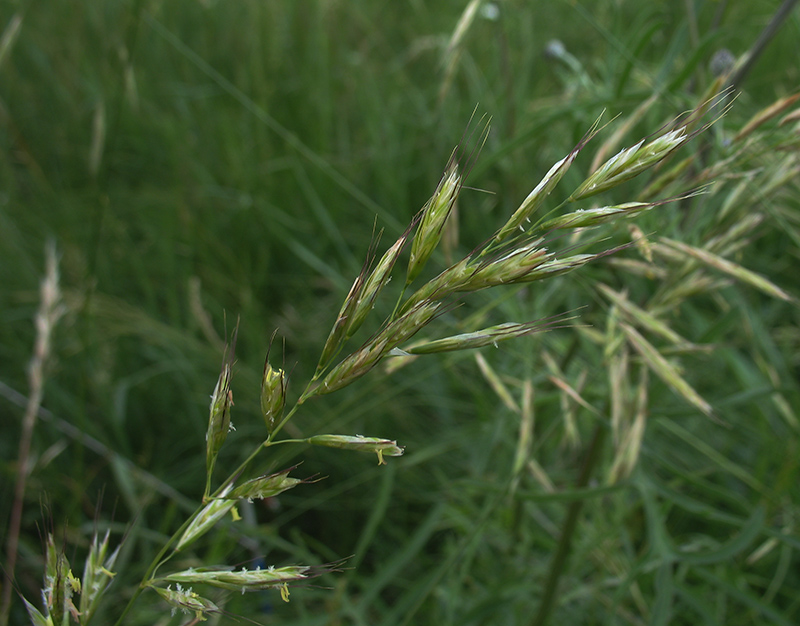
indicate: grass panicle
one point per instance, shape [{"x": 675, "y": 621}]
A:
[{"x": 582, "y": 454}]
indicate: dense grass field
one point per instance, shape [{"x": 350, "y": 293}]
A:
[{"x": 198, "y": 166}]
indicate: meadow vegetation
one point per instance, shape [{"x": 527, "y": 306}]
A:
[{"x": 571, "y": 344}]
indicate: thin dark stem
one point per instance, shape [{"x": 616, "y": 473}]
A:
[
  {"x": 568, "y": 530},
  {"x": 763, "y": 40}
]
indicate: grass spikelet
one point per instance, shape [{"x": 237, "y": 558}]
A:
[
  {"x": 204, "y": 521},
  {"x": 449, "y": 281},
  {"x": 486, "y": 337},
  {"x": 641, "y": 317},
  {"x": 619, "y": 389},
  {"x": 9, "y": 36},
  {"x": 515, "y": 266},
  {"x": 497, "y": 385},
  {"x": 542, "y": 190},
  {"x": 358, "y": 443},
  {"x": 187, "y": 601},
  {"x": 631, "y": 162},
  {"x": 59, "y": 585},
  {"x": 622, "y": 129},
  {"x": 219, "y": 417},
  {"x": 273, "y": 394},
  {"x": 266, "y": 486},
  {"x": 376, "y": 281},
  {"x": 453, "y": 51},
  {"x": 97, "y": 575},
  {"x": 343, "y": 323},
  {"x": 641, "y": 242},
  {"x": 434, "y": 216},
  {"x": 242, "y": 580},
  {"x": 730, "y": 268},
  {"x": 629, "y": 448},
  {"x": 525, "y": 436},
  {"x": 766, "y": 114},
  {"x": 665, "y": 370},
  {"x": 572, "y": 392},
  {"x": 556, "y": 267},
  {"x": 359, "y": 363},
  {"x": 593, "y": 217}
]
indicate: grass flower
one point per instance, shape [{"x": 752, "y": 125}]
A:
[
  {"x": 265, "y": 486},
  {"x": 358, "y": 443},
  {"x": 219, "y": 417},
  {"x": 273, "y": 395},
  {"x": 434, "y": 216},
  {"x": 187, "y": 601},
  {"x": 205, "y": 520}
]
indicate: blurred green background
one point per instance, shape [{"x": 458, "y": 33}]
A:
[{"x": 198, "y": 162}]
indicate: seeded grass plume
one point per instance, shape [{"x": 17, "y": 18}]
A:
[
  {"x": 516, "y": 254},
  {"x": 674, "y": 517}
]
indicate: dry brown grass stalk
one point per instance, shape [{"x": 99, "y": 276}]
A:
[{"x": 51, "y": 309}]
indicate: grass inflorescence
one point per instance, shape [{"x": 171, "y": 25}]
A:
[{"x": 627, "y": 458}]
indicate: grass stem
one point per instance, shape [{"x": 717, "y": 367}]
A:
[{"x": 568, "y": 530}]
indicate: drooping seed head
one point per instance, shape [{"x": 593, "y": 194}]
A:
[
  {"x": 486, "y": 337},
  {"x": 242, "y": 580},
  {"x": 265, "y": 486},
  {"x": 595, "y": 217},
  {"x": 375, "y": 445}
]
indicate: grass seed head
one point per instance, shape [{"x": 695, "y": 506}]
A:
[
  {"x": 219, "y": 417},
  {"x": 379, "y": 277},
  {"x": 97, "y": 575},
  {"x": 214, "y": 511},
  {"x": 273, "y": 395},
  {"x": 508, "y": 269},
  {"x": 434, "y": 216},
  {"x": 378, "y": 446},
  {"x": 542, "y": 190},
  {"x": 187, "y": 601},
  {"x": 631, "y": 162},
  {"x": 59, "y": 585},
  {"x": 595, "y": 217},
  {"x": 359, "y": 363},
  {"x": 449, "y": 281},
  {"x": 265, "y": 486},
  {"x": 342, "y": 324},
  {"x": 486, "y": 337},
  {"x": 243, "y": 580}
]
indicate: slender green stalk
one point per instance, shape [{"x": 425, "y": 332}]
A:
[{"x": 559, "y": 560}]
